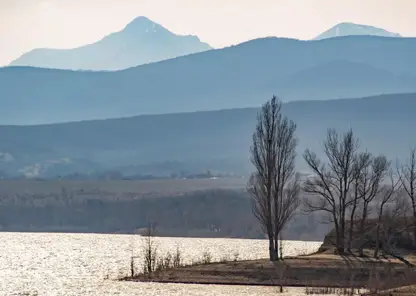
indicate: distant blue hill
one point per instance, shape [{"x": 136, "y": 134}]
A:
[
  {"x": 234, "y": 77},
  {"x": 351, "y": 29},
  {"x": 140, "y": 42},
  {"x": 200, "y": 141}
]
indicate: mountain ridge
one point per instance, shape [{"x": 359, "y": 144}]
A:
[
  {"x": 351, "y": 29},
  {"x": 237, "y": 76},
  {"x": 201, "y": 141},
  {"x": 141, "y": 41}
]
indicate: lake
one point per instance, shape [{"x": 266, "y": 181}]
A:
[{"x": 89, "y": 264}]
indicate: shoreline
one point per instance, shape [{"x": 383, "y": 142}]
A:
[
  {"x": 52, "y": 231},
  {"x": 248, "y": 284},
  {"x": 293, "y": 285},
  {"x": 317, "y": 270}
]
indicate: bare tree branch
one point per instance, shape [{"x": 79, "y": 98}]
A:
[
  {"x": 407, "y": 176},
  {"x": 332, "y": 182},
  {"x": 388, "y": 193}
]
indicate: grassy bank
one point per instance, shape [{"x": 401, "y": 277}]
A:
[
  {"x": 402, "y": 291},
  {"x": 317, "y": 270}
]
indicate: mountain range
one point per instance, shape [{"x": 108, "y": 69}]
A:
[
  {"x": 352, "y": 29},
  {"x": 199, "y": 141},
  {"x": 235, "y": 77},
  {"x": 142, "y": 41}
]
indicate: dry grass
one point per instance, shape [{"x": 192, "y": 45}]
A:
[
  {"x": 403, "y": 291},
  {"x": 312, "y": 271},
  {"x": 407, "y": 290},
  {"x": 332, "y": 291}
]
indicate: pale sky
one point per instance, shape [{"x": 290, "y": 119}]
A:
[{"x": 28, "y": 24}]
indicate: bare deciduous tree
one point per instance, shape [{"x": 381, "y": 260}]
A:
[
  {"x": 274, "y": 186},
  {"x": 369, "y": 187},
  {"x": 331, "y": 184},
  {"x": 362, "y": 162},
  {"x": 387, "y": 194},
  {"x": 391, "y": 222},
  {"x": 149, "y": 250},
  {"x": 407, "y": 175}
]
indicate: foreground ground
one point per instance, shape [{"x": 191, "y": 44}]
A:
[
  {"x": 402, "y": 291},
  {"x": 317, "y": 270}
]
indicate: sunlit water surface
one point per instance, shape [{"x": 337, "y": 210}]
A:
[{"x": 89, "y": 264}]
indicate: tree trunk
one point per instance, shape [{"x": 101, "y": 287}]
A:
[
  {"x": 377, "y": 247},
  {"x": 272, "y": 251},
  {"x": 341, "y": 247},
  {"x": 361, "y": 231},
  {"x": 276, "y": 246},
  {"x": 337, "y": 235},
  {"x": 414, "y": 224},
  {"x": 351, "y": 229},
  {"x": 354, "y": 208}
]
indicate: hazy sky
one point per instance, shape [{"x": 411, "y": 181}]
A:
[{"x": 28, "y": 24}]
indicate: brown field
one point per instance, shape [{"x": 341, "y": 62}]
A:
[
  {"x": 402, "y": 291},
  {"x": 317, "y": 270}
]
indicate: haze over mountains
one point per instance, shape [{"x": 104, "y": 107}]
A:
[
  {"x": 162, "y": 117},
  {"x": 140, "y": 42},
  {"x": 351, "y": 29},
  {"x": 239, "y": 76},
  {"x": 143, "y": 41},
  {"x": 213, "y": 140}
]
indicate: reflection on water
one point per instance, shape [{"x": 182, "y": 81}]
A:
[{"x": 89, "y": 264}]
